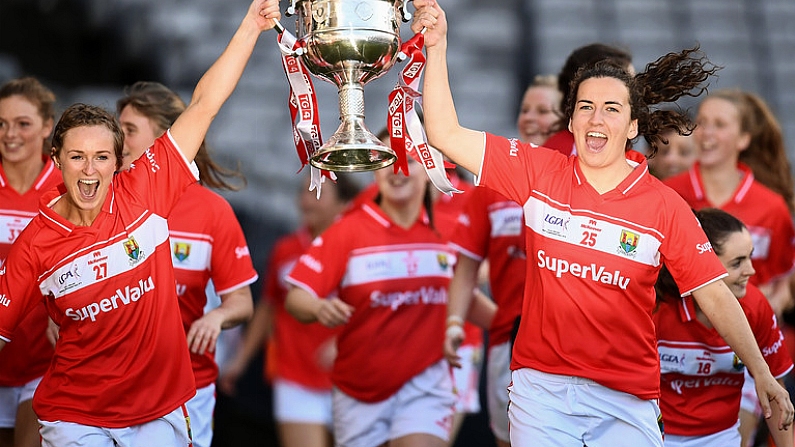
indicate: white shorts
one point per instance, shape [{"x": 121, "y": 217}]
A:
[
  {"x": 11, "y": 397},
  {"x": 170, "y": 430},
  {"x": 201, "y": 409},
  {"x": 466, "y": 379},
  {"x": 749, "y": 401},
  {"x": 726, "y": 438},
  {"x": 498, "y": 375},
  {"x": 298, "y": 404},
  {"x": 423, "y": 405},
  {"x": 549, "y": 410}
]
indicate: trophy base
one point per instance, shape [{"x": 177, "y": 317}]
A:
[
  {"x": 353, "y": 157},
  {"x": 353, "y": 148}
]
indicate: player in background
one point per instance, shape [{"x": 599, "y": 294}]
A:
[
  {"x": 27, "y": 116},
  {"x": 206, "y": 240},
  {"x": 386, "y": 271},
  {"x": 298, "y": 356},
  {"x": 702, "y": 380}
]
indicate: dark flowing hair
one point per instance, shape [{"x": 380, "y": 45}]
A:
[{"x": 663, "y": 81}]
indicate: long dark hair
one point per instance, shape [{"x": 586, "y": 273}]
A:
[{"x": 663, "y": 81}]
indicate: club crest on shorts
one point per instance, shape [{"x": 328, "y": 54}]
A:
[
  {"x": 628, "y": 241},
  {"x": 181, "y": 251},
  {"x": 133, "y": 250}
]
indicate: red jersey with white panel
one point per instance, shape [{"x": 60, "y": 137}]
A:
[
  {"x": 30, "y": 354},
  {"x": 397, "y": 281},
  {"x": 300, "y": 350},
  {"x": 206, "y": 243},
  {"x": 592, "y": 263},
  {"x": 122, "y": 358},
  {"x": 761, "y": 210},
  {"x": 491, "y": 227},
  {"x": 702, "y": 378}
]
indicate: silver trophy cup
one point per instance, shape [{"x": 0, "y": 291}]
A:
[{"x": 348, "y": 43}]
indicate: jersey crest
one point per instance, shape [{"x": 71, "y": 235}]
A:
[
  {"x": 629, "y": 241},
  {"x": 133, "y": 250},
  {"x": 181, "y": 251}
]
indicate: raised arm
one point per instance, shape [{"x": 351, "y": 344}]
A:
[
  {"x": 724, "y": 312},
  {"x": 464, "y": 146},
  {"x": 221, "y": 78}
]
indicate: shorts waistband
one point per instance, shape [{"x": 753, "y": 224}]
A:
[{"x": 557, "y": 378}]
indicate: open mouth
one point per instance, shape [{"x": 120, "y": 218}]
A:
[
  {"x": 595, "y": 140},
  {"x": 88, "y": 188}
]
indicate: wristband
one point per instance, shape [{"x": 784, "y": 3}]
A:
[{"x": 454, "y": 320}]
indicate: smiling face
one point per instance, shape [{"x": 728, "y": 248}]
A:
[
  {"x": 718, "y": 133},
  {"x": 139, "y": 134},
  {"x": 736, "y": 258},
  {"x": 22, "y": 130},
  {"x": 88, "y": 163},
  {"x": 537, "y": 115},
  {"x": 602, "y": 122},
  {"x": 398, "y": 190},
  {"x": 675, "y": 157}
]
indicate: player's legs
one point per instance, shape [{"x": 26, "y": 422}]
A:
[
  {"x": 750, "y": 410},
  {"x": 201, "y": 409},
  {"x": 466, "y": 381},
  {"x": 498, "y": 374},
  {"x": 17, "y": 418},
  {"x": 425, "y": 405},
  {"x": 303, "y": 416}
]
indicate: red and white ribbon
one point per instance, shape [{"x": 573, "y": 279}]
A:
[
  {"x": 406, "y": 132},
  {"x": 303, "y": 108}
]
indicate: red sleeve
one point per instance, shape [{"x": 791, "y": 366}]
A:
[
  {"x": 231, "y": 260},
  {"x": 767, "y": 331},
  {"x": 471, "y": 236},
  {"x": 686, "y": 250},
  {"x": 20, "y": 296},
  {"x": 321, "y": 269}
]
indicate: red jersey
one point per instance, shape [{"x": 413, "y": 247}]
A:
[
  {"x": 561, "y": 141},
  {"x": 122, "y": 358},
  {"x": 761, "y": 210},
  {"x": 702, "y": 378},
  {"x": 592, "y": 263},
  {"x": 206, "y": 243},
  {"x": 397, "y": 280},
  {"x": 298, "y": 348},
  {"x": 30, "y": 354},
  {"x": 491, "y": 227}
]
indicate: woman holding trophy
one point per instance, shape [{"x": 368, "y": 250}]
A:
[{"x": 598, "y": 227}]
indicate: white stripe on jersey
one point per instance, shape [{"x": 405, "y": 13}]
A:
[
  {"x": 506, "y": 220},
  {"x": 105, "y": 261},
  {"x": 581, "y": 228},
  {"x": 404, "y": 261},
  {"x": 697, "y": 359},
  {"x": 189, "y": 253}
]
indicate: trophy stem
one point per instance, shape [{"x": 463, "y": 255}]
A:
[{"x": 352, "y": 148}]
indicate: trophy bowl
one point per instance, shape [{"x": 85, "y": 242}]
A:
[{"x": 349, "y": 43}]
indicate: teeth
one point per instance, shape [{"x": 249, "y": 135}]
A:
[
  {"x": 88, "y": 182},
  {"x": 596, "y": 135}
]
